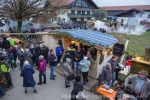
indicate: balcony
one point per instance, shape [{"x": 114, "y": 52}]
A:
[{"x": 80, "y": 15}]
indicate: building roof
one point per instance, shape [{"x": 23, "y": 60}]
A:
[
  {"x": 61, "y": 2},
  {"x": 139, "y": 7},
  {"x": 93, "y": 37}
]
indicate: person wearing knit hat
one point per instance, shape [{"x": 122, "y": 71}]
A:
[
  {"x": 53, "y": 63},
  {"x": 28, "y": 56},
  {"x": 67, "y": 71},
  {"x": 106, "y": 76},
  {"x": 28, "y": 79},
  {"x": 44, "y": 51},
  {"x": 78, "y": 86}
]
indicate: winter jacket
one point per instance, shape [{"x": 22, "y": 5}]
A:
[
  {"x": 27, "y": 74},
  {"x": 59, "y": 51},
  {"x": 5, "y": 43},
  {"x": 14, "y": 51},
  {"x": 66, "y": 56},
  {"x": 36, "y": 55},
  {"x": 42, "y": 65},
  {"x": 67, "y": 69},
  {"x": 114, "y": 64},
  {"x": 28, "y": 57},
  {"x": 11, "y": 58},
  {"x": 71, "y": 51},
  {"x": 78, "y": 86},
  {"x": 4, "y": 66},
  {"x": 85, "y": 64},
  {"x": 145, "y": 88},
  {"x": 20, "y": 54},
  {"x": 106, "y": 74},
  {"x": 44, "y": 51},
  {"x": 78, "y": 55},
  {"x": 32, "y": 50},
  {"x": 52, "y": 59}
]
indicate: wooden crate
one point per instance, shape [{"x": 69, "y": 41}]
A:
[{"x": 122, "y": 76}]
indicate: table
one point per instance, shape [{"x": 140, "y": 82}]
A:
[{"x": 106, "y": 94}]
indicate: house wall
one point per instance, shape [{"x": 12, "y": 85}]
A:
[{"x": 124, "y": 18}]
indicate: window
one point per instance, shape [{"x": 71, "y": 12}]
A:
[
  {"x": 83, "y": 12},
  {"x": 78, "y": 3},
  {"x": 79, "y": 12},
  {"x": 82, "y": 19},
  {"x": 73, "y": 11},
  {"x": 88, "y": 12}
]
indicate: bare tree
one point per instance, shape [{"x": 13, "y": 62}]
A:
[
  {"x": 52, "y": 8},
  {"x": 20, "y": 10}
]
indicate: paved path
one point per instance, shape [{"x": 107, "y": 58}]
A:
[{"x": 53, "y": 90}]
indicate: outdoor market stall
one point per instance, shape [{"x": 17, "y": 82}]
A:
[{"x": 95, "y": 41}]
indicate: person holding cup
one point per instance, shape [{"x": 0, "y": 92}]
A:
[{"x": 53, "y": 63}]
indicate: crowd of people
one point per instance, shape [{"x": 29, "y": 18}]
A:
[{"x": 76, "y": 57}]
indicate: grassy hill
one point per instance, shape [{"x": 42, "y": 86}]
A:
[{"x": 137, "y": 43}]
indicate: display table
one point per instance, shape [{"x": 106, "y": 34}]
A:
[{"x": 106, "y": 94}]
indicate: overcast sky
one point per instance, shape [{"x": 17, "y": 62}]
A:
[{"x": 102, "y": 3}]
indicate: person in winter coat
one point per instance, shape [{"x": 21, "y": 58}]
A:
[
  {"x": 78, "y": 86},
  {"x": 28, "y": 79},
  {"x": 72, "y": 51},
  {"x": 59, "y": 53},
  {"x": 42, "y": 70},
  {"x": 44, "y": 52},
  {"x": 77, "y": 58},
  {"x": 36, "y": 55},
  {"x": 28, "y": 56},
  {"x": 20, "y": 54},
  {"x": 4, "y": 67},
  {"x": 67, "y": 71},
  {"x": 85, "y": 64},
  {"x": 5, "y": 44},
  {"x": 53, "y": 63},
  {"x": 14, "y": 51},
  {"x": 11, "y": 60},
  {"x": 32, "y": 49},
  {"x": 140, "y": 84},
  {"x": 114, "y": 63},
  {"x": 106, "y": 76}
]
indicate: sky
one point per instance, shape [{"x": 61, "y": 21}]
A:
[{"x": 102, "y": 3}]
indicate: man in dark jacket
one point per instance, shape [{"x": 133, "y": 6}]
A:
[
  {"x": 53, "y": 63},
  {"x": 106, "y": 76},
  {"x": 5, "y": 44},
  {"x": 20, "y": 54},
  {"x": 77, "y": 58},
  {"x": 78, "y": 86},
  {"x": 114, "y": 63},
  {"x": 44, "y": 52},
  {"x": 14, "y": 51},
  {"x": 71, "y": 51}
]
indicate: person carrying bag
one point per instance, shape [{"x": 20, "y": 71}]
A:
[{"x": 67, "y": 72}]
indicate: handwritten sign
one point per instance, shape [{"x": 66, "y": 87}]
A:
[{"x": 118, "y": 49}]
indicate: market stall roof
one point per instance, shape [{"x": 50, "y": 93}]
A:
[{"x": 93, "y": 37}]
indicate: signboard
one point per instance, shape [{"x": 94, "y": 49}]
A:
[{"x": 118, "y": 49}]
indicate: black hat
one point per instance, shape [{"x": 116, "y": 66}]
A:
[
  {"x": 51, "y": 50},
  {"x": 77, "y": 78}
]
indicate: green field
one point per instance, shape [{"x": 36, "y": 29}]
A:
[{"x": 137, "y": 43}]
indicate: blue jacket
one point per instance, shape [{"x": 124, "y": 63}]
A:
[
  {"x": 52, "y": 59},
  {"x": 58, "y": 50},
  {"x": 85, "y": 64},
  {"x": 27, "y": 74}
]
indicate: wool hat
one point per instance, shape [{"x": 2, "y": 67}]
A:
[
  {"x": 144, "y": 72},
  {"x": 41, "y": 57},
  {"x": 77, "y": 78},
  {"x": 68, "y": 60},
  {"x": 108, "y": 65},
  {"x": 51, "y": 50}
]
